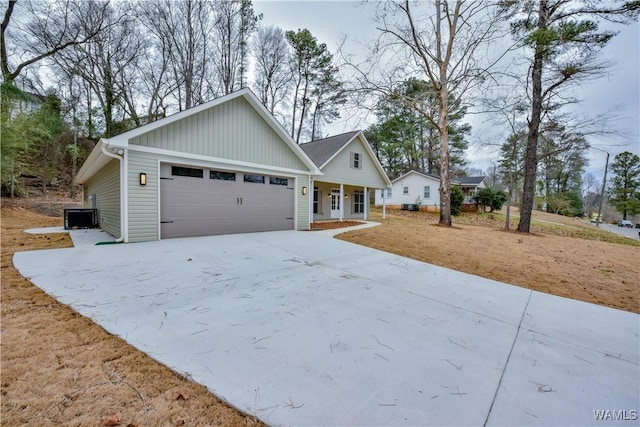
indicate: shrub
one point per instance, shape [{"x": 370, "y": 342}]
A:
[
  {"x": 457, "y": 197},
  {"x": 492, "y": 198}
]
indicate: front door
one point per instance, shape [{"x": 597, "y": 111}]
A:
[{"x": 335, "y": 203}]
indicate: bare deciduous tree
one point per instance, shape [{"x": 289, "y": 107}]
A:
[
  {"x": 272, "y": 72},
  {"x": 440, "y": 42},
  {"x": 44, "y": 29},
  {"x": 234, "y": 24},
  {"x": 183, "y": 30}
]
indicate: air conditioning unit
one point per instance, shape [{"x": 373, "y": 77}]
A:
[{"x": 80, "y": 218}]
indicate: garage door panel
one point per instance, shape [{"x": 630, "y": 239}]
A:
[{"x": 194, "y": 206}]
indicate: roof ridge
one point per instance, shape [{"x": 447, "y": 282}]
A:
[{"x": 332, "y": 136}]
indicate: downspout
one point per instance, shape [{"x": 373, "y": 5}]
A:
[{"x": 122, "y": 199}]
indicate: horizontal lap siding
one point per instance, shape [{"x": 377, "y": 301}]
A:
[
  {"x": 416, "y": 184},
  {"x": 302, "y": 202},
  {"x": 233, "y": 130},
  {"x": 106, "y": 186},
  {"x": 143, "y": 200}
]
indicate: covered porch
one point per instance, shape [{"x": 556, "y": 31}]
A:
[{"x": 338, "y": 201}]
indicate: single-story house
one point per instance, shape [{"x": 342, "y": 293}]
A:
[
  {"x": 226, "y": 166},
  {"x": 470, "y": 186},
  {"x": 412, "y": 188},
  {"x": 423, "y": 191},
  {"x": 350, "y": 173}
]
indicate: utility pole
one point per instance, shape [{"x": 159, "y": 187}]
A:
[{"x": 604, "y": 183}]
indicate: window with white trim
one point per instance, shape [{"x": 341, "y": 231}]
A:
[
  {"x": 405, "y": 190},
  {"x": 389, "y": 193},
  {"x": 427, "y": 192},
  {"x": 358, "y": 202},
  {"x": 356, "y": 160},
  {"x": 316, "y": 200}
]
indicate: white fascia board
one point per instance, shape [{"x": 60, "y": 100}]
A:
[
  {"x": 94, "y": 162},
  {"x": 278, "y": 129},
  {"x": 416, "y": 173},
  {"x": 191, "y": 158},
  {"x": 372, "y": 155},
  {"x": 333, "y": 156},
  {"x": 122, "y": 140}
]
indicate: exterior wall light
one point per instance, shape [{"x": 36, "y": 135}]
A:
[
  {"x": 304, "y": 191},
  {"x": 143, "y": 178}
]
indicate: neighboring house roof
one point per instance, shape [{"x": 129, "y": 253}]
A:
[
  {"x": 462, "y": 180},
  {"x": 468, "y": 180},
  {"x": 99, "y": 157},
  {"x": 425, "y": 175},
  {"x": 322, "y": 151}
]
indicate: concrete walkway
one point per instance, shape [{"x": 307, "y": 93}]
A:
[
  {"x": 301, "y": 329},
  {"x": 79, "y": 237}
]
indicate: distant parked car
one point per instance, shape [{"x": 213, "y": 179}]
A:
[{"x": 625, "y": 223}]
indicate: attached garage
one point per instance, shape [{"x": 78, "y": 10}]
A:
[
  {"x": 197, "y": 201},
  {"x": 223, "y": 167}
]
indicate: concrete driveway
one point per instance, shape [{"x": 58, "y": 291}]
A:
[
  {"x": 301, "y": 329},
  {"x": 632, "y": 233}
]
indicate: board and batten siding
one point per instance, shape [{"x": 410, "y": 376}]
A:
[
  {"x": 105, "y": 185},
  {"x": 233, "y": 130},
  {"x": 143, "y": 200},
  {"x": 339, "y": 169}
]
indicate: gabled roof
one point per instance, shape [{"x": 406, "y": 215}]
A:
[
  {"x": 97, "y": 159},
  {"x": 425, "y": 175},
  {"x": 468, "y": 180},
  {"x": 322, "y": 150}
]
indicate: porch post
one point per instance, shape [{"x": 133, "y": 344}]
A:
[
  {"x": 366, "y": 204},
  {"x": 384, "y": 205},
  {"x": 310, "y": 194},
  {"x": 341, "y": 202}
]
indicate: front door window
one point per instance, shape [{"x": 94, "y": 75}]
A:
[{"x": 335, "y": 203}]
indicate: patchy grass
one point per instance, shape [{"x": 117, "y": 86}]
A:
[
  {"x": 542, "y": 223},
  {"x": 569, "y": 260}
]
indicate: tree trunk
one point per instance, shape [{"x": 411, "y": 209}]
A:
[
  {"x": 445, "y": 179},
  {"x": 531, "y": 153}
]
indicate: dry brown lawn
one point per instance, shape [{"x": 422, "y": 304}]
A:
[
  {"x": 549, "y": 260},
  {"x": 59, "y": 368}
]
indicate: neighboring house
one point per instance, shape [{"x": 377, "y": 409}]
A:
[
  {"x": 226, "y": 166},
  {"x": 419, "y": 189},
  {"x": 350, "y": 172},
  {"x": 26, "y": 102},
  {"x": 412, "y": 188},
  {"x": 470, "y": 186}
]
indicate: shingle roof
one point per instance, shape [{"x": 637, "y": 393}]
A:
[
  {"x": 468, "y": 180},
  {"x": 418, "y": 173},
  {"x": 322, "y": 150}
]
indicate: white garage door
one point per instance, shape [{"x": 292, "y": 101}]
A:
[{"x": 201, "y": 202}]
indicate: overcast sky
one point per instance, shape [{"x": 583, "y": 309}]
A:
[{"x": 329, "y": 21}]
